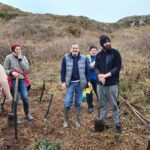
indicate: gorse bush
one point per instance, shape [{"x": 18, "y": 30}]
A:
[
  {"x": 6, "y": 15},
  {"x": 73, "y": 30},
  {"x": 47, "y": 145},
  {"x": 8, "y": 12}
]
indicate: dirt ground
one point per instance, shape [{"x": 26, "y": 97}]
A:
[{"x": 134, "y": 135}]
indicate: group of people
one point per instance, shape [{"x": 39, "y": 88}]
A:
[{"x": 98, "y": 71}]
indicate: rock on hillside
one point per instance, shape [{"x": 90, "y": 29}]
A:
[{"x": 134, "y": 21}]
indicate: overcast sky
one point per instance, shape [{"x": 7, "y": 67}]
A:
[{"x": 100, "y": 10}]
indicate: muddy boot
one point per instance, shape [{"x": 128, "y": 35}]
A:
[
  {"x": 77, "y": 113},
  {"x": 118, "y": 131},
  {"x": 66, "y": 115}
]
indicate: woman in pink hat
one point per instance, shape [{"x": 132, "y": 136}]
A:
[{"x": 16, "y": 65}]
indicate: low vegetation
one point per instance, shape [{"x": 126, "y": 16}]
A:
[{"x": 47, "y": 145}]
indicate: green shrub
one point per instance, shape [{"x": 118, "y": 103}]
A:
[
  {"x": 6, "y": 15},
  {"x": 74, "y": 30},
  {"x": 47, "y": 145}
]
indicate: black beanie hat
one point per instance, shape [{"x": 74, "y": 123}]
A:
[
  {"x": 104, "y": 39},
  {"x": 92, "y": 46}
]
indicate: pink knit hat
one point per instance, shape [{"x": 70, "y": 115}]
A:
[{"x": 13, "y": 46}]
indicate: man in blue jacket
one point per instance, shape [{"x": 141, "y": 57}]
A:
[
  {"x": 74, "y": 78},
  {"x": 107, "y": 66}
]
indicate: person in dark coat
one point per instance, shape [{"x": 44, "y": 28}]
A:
[{"x": 108, "y": 64}]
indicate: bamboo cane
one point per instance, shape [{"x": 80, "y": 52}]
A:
[
  {"x": 43, "y": 89},
  {"x": 49, "y": 105},
  {"x": 137, "y": 113},
  {"x": 15, "y": 108}
]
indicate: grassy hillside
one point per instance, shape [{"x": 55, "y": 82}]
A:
[
  {"x": 45, "y": 32},
  {"x": 7, "y": 12},
  {"x": 53, "y": 33}
]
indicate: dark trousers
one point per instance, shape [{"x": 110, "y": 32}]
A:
[{"x": 89, "y": 97}]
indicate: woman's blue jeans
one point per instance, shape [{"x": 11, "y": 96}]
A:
[{"x": 22, "y": 91}]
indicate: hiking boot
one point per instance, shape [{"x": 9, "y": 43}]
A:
[
  {"x": 90, "y": 110},
  {"x": 29, "y": 117},
  {"x": 118, "y": 132}
]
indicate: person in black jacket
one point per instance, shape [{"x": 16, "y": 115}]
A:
[{"x": 107, "y": 67}]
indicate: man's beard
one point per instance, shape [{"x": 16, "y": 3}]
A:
[{"x": 108, "y": 47}]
